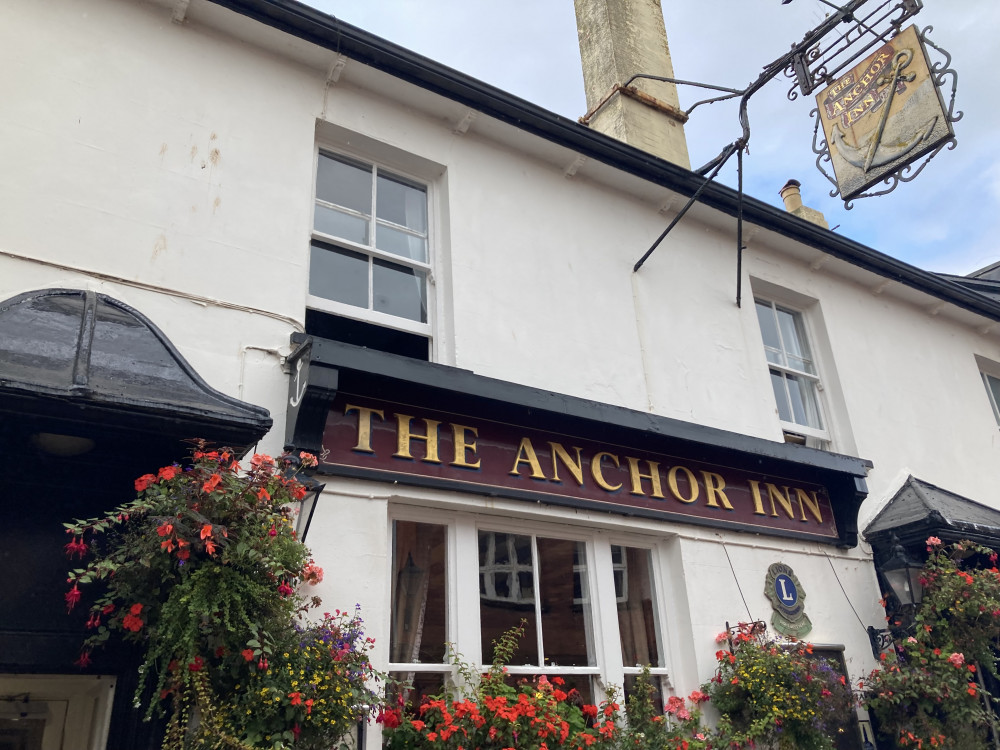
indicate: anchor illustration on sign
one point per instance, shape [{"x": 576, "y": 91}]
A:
[{"x": 873, "y": 152}]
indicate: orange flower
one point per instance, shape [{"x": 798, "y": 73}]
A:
[
  {"x": 168, "y": 472},
  {"x": 206, "y": 531},
  {"x": 143, "y": 482},
  {"x": 212, "y": 483}
]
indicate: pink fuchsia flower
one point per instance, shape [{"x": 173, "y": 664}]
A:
[
  {"x": 76, "y": 548},
  {"x": 285, "y": 590},
  {"x": 957, "y": 659}
]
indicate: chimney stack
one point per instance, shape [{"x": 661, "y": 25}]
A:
[
  {"x": 793, "y": 204},
  {"x": 619, "y": 38}
]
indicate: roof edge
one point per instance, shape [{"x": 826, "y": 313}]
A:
[{"x": 299, "y": 20}]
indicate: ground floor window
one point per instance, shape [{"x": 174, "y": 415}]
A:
[{"x": 588, "y": 605}]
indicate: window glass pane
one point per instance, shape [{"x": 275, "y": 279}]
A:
[
  {"x": 780, "y": 396},
  {"x": 993, "y": 386},
  {"x": 344, "y": 182},
  {"x": 399, "y": 290},
  {"x": 338, "y": 224},
  {"x": 415, "y": 687},
  {"x": 402, "y": 203},
  {"x": 418, "y": 632},
  {"x": 803, "y": 400},
  {"x": 506, "y": 596},
  {"x": 794, "y": 339},
  {"x": 769, "y": 332},
  {"x": 655, "y": 682},
  {"x": 566, "y": 628},
  {"x": 400, "y": 243},
  {"x": 637, "y": 611},
  {"x": 339, "y": 275}
]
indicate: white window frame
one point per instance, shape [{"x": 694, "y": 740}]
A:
[
  {"x": 462, "y": 583},
  {"x": 816, "y": 437},
  {"x": 370, "y": 315}
]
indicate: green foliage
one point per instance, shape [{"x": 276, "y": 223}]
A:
[
  {"x": 201, "y": 570},
  {"x": 927, "y": 692}
]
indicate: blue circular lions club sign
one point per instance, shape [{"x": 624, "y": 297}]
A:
[{"x": 787, "y": 600}]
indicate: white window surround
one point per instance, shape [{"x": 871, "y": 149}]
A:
[
  {"x": 365, "y": 245},
  {"x": 463, "y": 593},
  {"x": 789, "y": 350}
]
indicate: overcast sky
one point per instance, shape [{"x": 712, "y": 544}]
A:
[{"x": 946, "y": 220}]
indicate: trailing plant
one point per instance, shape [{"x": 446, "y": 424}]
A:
[
  {"x": 678, "y": 725},
  {"x": 927, "y": 691},
  {"x": 202, "y": 571},
  {"x": 776, "y": 691}
]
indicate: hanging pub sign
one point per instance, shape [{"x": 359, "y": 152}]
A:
[
  {"x": 415, "y": 445},
  {"x": 883, "y": 115}
]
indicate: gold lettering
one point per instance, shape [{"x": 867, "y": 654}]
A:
[
  {"x": 463, "y": 446},
  {"x": 805, "y": 501},
  {"x": 692, "y": 484},
  {"x": 404, "y": 436},
  {"x": 526, "y": 455},
  {"x": 758, "y": 502},
  {"x": 364, "y": 426},
  {"x": 596, "y": 470},
  {"x": 636, "y": 476},
  {"x": 784, "y": 500},
  {"x": 837, "y": 109},
  {"x": 575, "y": 467},
  {"x": 715, "y": 487}
]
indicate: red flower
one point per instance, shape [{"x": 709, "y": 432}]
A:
[
  {"x": 72, "y": 597},
  {"x": 168, "y": 472},
  {"x": 76, "y": 547},
  {"x": 143, "y": 482},
  {"x": 263, "y": 494},
  {"x": 132, "y": 622},
  {"x": 390, "y": 719},
  {"x": 196, "y": 665},
  {"x": 135, "y": 608},
  {"x": 247, "y": 654},
  {"x": 84, "y": 660},
  {"x": 206, "y": 531},
  {"x": 285, "y": 590},
  {"x": 262, "y": 664},
  {"x": 212, "y": 483},
  {"x": 590, "y": 711},
  {"x": 296, "y": 698},
  {"x": 165, "y": 529},
  {"x": 210, "y": 546}
]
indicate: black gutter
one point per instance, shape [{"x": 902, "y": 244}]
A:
[{"x": 327, "y": 31}]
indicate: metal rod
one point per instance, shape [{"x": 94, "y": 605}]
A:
[
  {"x": 739, "y": 226},
  {"x": 724, "y": 157}
]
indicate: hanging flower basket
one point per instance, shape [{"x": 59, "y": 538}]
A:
[{"x": 202, "y": 570}]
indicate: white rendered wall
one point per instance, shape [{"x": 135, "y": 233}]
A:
[{"x": 171, "y": 166}]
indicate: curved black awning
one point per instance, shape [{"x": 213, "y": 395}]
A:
[
  {"x": 920, "y": 509},
  {"x": 84, "y": 357}
]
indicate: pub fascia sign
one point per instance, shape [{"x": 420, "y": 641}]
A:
[
  {"x": 883, "y": 115},
  {"x": 405, "y": 444}
]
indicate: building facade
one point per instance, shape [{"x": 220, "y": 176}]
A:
[{"x": 249, "y": 219}]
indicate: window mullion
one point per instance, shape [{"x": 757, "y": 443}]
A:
[{"x": 536, "y": 580}]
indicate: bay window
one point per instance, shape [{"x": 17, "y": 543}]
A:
[{"x": 550, "y": 585}]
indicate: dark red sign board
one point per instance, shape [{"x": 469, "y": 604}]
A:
[{"x": 397, "y": 442}]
